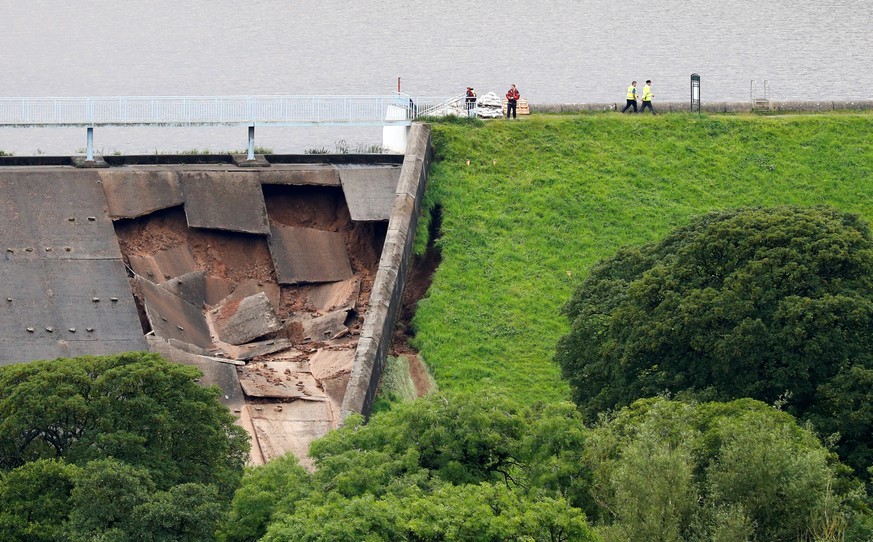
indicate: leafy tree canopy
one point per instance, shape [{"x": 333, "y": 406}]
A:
[
  {"x": 671, "y": 471},
  {"x": 658, "y": 470},
  {"x": 774, "y": 304},
  {"x": 448, "y": 467},
  {"x": 127, "y": 448}
]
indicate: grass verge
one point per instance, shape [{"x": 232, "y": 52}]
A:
[{"x": 544, "y": 197}]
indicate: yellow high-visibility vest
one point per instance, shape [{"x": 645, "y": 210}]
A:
[
  {"x": 631, "y": 92},
  {"x": 647, "y": 94}
]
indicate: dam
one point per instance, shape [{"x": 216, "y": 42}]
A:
[{"x": 280, "y": 282}]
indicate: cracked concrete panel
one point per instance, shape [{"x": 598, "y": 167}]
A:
[
  {"x": 250, "y": 351},
  {"x": 223, "y": 375},
  {"x": 238, "y": 322},
  {"x": 325, "y": 327},
  {"x": 279, "y": 380},
  {"x": 291, "y": 427},
  {"x": 132, "y": 193},
  {"x": 250, "y": 287},
  {"x": 301, "y": 174},
  {"x": 164, "y": 265},
  {"x": 327, "y": 364},
  {"x": 370, "y": 191},
  {"x": 225, "y": 201},
  {"x": 191, "y": 287},
  {"x": 335, "y": 295},
  {"x": 308, "y": 255},
  {"x": 174, "y": 318}
]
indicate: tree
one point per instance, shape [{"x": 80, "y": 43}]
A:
[
  {"x": 445, "y": 467},
  {"x": 134, "y": 407},
  {"x": 671, "y": 471},
  {"x": 774, "y": 304},
  {"x": 35, "y": 500},
  {"x": 125, "y": 448}
]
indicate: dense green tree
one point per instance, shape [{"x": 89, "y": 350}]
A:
[
  {"x": 670, "y": 471},
  {"x": 447, "y": 467},
  {"x": 135, "y": 407},
  {"x": 35, "y": 500},
  {"x": 265, "y": 491},
  {"x": 125, "y": 448},
  {"x": 774, "y": 304}
]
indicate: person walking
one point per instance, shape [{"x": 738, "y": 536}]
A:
[
  {"x": 647, "y": 97},
  {"x": 470, "y": 101},
  {"x": 631, "y": 97},
  {"x": 512, "y": 97}
]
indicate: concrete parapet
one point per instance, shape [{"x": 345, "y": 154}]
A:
[
  {"x": 849, "y": 105},
  {"x": 794, "y": 105},
  {"x": 387, "y": 292},
  {"x": 738, "y": 107}
]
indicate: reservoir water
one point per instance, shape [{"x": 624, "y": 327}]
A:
[{"x": 554, "y": 50}]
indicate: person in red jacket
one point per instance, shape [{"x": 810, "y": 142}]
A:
[{"x": 512, "y": 97}]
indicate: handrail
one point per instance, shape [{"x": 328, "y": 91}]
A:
[{"x": 213, "y": 110}]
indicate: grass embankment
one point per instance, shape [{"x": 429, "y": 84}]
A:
[{"x": 545, "y": 197}]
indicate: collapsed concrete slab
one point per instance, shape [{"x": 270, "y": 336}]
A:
[
  {"x": 250, "y": 287},
  {"x": 163, "y": 265},
  {"x": 279, "y": 380},
  {"x": 172, "y": 317},
  {"x": 225, "y": 201},
  {"x": 290, "y": 427},
  {"x": 304, "y": 255},
  {"x": 335, "y": 295},
  {"x": 191, "y": 287},
  {"x": 325, "y": 327},
  {"x": 370, "y": 191},
  {"x": 132, "y": 194},
  {"x": 223, "y": 375},
  {"x": 328, "y": 364},
  {"x": 238, "y": 322},
  {"x": 250, "y": 351}
]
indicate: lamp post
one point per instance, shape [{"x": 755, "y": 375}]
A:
[{"x": 695, "y": 92}]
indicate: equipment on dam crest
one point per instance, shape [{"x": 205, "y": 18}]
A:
[{"x": 695, "y": 92}]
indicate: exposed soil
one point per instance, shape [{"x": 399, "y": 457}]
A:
[
  {"x": 418, "y": 281},
  {"x": 240, "y": 256},
  {"x": 419, "y": 374}
]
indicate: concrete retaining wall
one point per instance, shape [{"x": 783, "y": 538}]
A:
[
  {"x": 713, "y": 107},
  {"x": 378, "y": 328}
]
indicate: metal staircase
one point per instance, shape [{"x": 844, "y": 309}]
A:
[{"x": 760, "y": 96}]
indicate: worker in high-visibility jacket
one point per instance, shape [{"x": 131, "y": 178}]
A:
[
  {"x": 631, "y": 97},
  {"x": 647, "y": 97}
]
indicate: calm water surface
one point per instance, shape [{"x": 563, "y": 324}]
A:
[{"x": 554, "y": 50}]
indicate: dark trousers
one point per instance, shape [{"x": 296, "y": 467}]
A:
[
  {"x": 649, "y": 105},
  {"x": 630, "y": 103},
  {"x": 510, "y": 108}
]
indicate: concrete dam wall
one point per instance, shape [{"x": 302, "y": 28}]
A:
[{"x": 272, "y": 280}]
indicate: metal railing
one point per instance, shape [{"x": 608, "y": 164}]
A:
[{"x": 224, "y": 110}]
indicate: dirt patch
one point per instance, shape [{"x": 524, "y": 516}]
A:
[
  {"x": 238, "y": 257},
  {"x": 418, "y": 281},
  {"x": 424, "y": 383}
]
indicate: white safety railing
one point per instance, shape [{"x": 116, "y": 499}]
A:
[{"x": 223, "y": 110}]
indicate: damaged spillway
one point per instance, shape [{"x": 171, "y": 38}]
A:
[{"x": 262, "y": 278}]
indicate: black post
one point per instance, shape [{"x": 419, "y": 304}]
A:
[{"x": 695, "y": 92}]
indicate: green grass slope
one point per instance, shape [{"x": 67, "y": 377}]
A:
[{"x": 545, "y": 197}]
